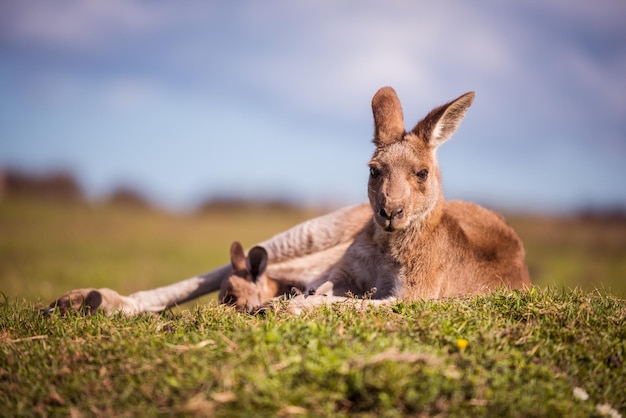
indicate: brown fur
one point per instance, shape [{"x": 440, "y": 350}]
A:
[
  {"x": 249, "y": 285},
  {"x": 408, "y": 243},
  {"x": 417, "y": 245}
]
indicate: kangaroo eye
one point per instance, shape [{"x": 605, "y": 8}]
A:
[
  {"x": 422, "y": 175},
  {"x": 374, "y": 172}
]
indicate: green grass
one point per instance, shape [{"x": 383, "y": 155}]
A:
[
  {"x": 47, "y": 248},
  {"x": 568, "y": 251},
  {"x": 525, "y": 354}
]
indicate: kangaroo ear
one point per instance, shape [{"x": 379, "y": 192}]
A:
[
  {"x": 439, "y": 125},
  {"x": 388, "y": 119},
  {"x": 237, "y": 256},
  {"x": 257, "y": 262}
]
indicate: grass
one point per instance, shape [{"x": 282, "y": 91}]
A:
[
  {"x": 505, "y": 354},
  {"x": 47, "y": 247},
  {"x": 574, "y": 252}
]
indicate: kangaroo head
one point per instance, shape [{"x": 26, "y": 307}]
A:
[
  {"x": 246, "y": 288},
  {"x": 405, "y": 183}
]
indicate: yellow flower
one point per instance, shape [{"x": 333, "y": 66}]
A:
[{"x": 462, "y": 343}]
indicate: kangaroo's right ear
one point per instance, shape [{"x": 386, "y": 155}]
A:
[
  {"x": 237, "y": 256},
  {"x": 257, "y": 262},
  {"x": 388, "y": 119}
]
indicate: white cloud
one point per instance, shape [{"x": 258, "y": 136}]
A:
[
  {"x": 81, "y": 24},
  {"x": 331, "y": 59}
]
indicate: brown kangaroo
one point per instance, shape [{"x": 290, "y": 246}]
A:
[
  {"x": 417, "y": 245},
  {"x": 249, "y": 286},
  {"x": 408, "y": 243}
]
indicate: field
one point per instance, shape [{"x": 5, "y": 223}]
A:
[{"x": 541, "y": 353}]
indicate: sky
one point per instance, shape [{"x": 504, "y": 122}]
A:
[{"x": 188, "y": 100}]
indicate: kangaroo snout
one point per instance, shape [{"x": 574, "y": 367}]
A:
[
  {"x": 392, "y": 213},
  {"x": 390, "y": 216}
]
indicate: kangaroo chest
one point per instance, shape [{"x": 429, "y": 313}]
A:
[{"x": 416, "y": 268}]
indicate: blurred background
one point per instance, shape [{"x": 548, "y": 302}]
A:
[{"x": 196, "y": 107}]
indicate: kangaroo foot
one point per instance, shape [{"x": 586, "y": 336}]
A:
[{"x": 88, "y": 301}]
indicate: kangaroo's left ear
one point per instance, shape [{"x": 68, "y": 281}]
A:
[
  {"x": 439, "y": 125},
  {"x": 256, "y": 262}
]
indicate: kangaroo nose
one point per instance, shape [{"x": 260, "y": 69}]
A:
[{"x": 396, "y": 213}]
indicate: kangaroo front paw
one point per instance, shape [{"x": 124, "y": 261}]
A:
[
  {"x": 281, "y": 304},
  {"x": 88, "y": 301}
]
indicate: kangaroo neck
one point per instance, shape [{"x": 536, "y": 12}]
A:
[{"x": 405, "y": 245}]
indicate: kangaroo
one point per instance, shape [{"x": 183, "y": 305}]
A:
[
  {"x": 418, "y": 245},
  {"x": 249, "y": 285},
  {"x": 407, "y": 243}
]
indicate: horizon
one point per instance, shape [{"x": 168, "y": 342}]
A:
[{"x": 63, "y": 185}]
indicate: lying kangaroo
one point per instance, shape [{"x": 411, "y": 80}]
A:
[
  {"x": 249, "y": 286},
  {"x": 407, "y": 243}
]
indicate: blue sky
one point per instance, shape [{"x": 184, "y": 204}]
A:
[{"x": 185, "y": 100}]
